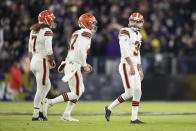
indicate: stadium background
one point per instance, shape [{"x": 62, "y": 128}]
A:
[{"x": 168, "y": 49}]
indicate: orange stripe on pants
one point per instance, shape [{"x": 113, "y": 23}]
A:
[
  {"x": 126, "y": 76},
  {"x": 77, "y": 84},
  {"x": 44, "y": 73}
]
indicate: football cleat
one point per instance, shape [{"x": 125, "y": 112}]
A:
[
  {"x": 37, "y": 119},
  {"x": 69, "y": 119},
  {"x": 45, "y": 106},
  {"x": 137, "y": 122},
  {"x": 42, "y": 116},
  {"x": 107, "y": 113}
]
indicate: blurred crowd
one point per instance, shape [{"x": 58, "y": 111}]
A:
[{"x": 169, "y": 28}]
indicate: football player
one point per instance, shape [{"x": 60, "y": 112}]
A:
[
  {"x": 130, "y": 67},
  {"x": 78, "y": 48},
  {"x": 41, "y": 58}
]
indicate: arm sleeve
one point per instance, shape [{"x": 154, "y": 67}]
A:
[
  {"x": 82, "y": 50},
  {"x": 124, "y": 46},
  {"x": 48, "y": 45}
]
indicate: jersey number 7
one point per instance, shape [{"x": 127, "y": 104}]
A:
[{"x": 72, "y": 42}]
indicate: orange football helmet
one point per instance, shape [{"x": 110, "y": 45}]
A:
[
  {"x": 88, "y": 21},
  {"x": 136, "y": 21},
  {"x": 46, "y": 17}
]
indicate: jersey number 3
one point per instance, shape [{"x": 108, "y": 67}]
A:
[
  {"x": 137, "y": 47},
  {"x": 72, "y": 42}
]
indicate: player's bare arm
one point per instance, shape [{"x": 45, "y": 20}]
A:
[
  {"x": 132, "y": 70},
  {"x": 139, "y": 67}
]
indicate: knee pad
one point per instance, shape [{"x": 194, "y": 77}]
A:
[
  {"x": 72, "y": 96},
  {"x": 126, "y": 95},
  {"x": 137, "y": 94}
]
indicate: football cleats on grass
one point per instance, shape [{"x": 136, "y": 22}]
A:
[{"x": 107, "y": 113}]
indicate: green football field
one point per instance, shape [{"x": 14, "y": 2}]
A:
[{"x": 159, "y": 116}]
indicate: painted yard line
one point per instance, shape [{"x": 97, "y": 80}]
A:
[{"x": 100, "y": 114}]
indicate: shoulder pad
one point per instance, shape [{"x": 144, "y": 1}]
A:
[
  {"x": 48, "y": 33},
  {"x": 86, "y": 34},
  {"x": 124, "y": 31}
]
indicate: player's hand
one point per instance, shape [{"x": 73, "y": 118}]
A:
[
  {"x": 52, "y": 64},
  {"x": 141, "y": 74},
  {"x": 87, "y": 69},
  {"x": 132, "y": 70}
]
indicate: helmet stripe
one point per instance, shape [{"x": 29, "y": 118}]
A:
[
  {"x": 139, "y": 15},
  {"x": 46, "y": 21}
]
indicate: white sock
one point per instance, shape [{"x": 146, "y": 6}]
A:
[
  {"x": 37, "y": 102},
  {"x": 36, "y": 112},
  {"x": 58, "y": 99},
  {"x": 114, "y": 104},
  {"x": 134, "y": 113},
  {"x": 70, "y": 106}
]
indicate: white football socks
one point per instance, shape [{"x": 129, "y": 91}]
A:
[
  {"x": 64, "y": 97},
  {"x": 134, "y": 113},
  {"x": 113, "y": 105},
  {"x": 70, "y": 106},
  {"x": 35, "y": 112},
  {"x": 58, "y": 99}
]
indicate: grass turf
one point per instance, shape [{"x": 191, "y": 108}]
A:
[{"x": 17, "y": 116}]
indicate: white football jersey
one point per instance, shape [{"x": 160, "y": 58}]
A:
[
  {"x": 40, "y": 43},
  {"x": 79, "y": 45},
  {"x": 130, "y": 42}
]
